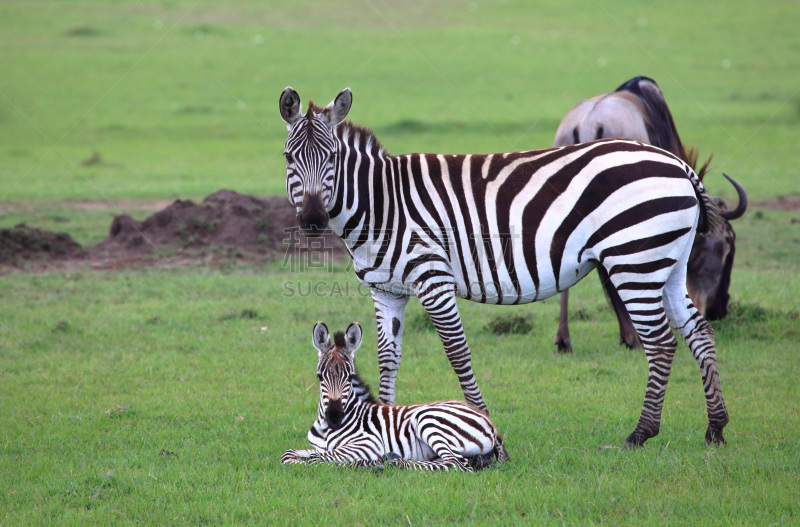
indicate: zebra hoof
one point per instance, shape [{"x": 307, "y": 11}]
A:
[
  {"x": 714, "y": 437},
  {"x": 386, "y": 460},
  {"x": 390, "y": 458},
  {"x": 634, "y": 441}
]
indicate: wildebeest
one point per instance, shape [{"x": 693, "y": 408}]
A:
[{"x": 637, "y": 110}]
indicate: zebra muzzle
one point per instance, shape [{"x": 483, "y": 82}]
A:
[
  {"x": 334, "y": 414},
  {"x": 313, "y": 217}
]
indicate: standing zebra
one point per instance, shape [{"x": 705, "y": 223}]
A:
[
  {"x": 507, "y": 229},
  {"x": 361, "y": 432}
]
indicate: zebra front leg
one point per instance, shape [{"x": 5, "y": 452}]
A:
[
  {"x": 440, "y": 303},
  {"x": 347, "y": 455},
  {"x": 390, "y": 311},
  {"x": 293, "y": 457}
]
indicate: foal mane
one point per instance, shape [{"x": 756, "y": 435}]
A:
[{"x": 339, "y": 341}]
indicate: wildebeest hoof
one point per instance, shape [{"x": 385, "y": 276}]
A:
[{"x": 563, "y": 346}]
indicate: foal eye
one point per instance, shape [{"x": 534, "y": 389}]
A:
[{"x": 319, "y": 376}]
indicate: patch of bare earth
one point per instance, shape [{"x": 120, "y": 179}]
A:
[
  {"x": 788, "y": 202},
  {"x": 225, "y": 227}
]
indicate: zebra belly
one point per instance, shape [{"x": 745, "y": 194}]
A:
[{"x": 507, "y": 292}]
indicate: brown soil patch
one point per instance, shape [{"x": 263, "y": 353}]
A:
[
  {"x": 789, "y": 202},
  {"x": 29, "y": 243},
  {"x": 225, "y": 227}
]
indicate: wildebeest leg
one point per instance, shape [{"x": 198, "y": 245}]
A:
[
  {"x": 627, "y": 333},
  {"x": 700, "y": 338},
  {"x": 562, "y": 335},
  {"x": 390, "y": 313}
]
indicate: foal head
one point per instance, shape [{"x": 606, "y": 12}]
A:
[{"x": 336, "y": 371}]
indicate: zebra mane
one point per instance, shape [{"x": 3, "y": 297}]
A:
[
  {"x": 358, "y": 137},
  {"x": 361, "y": 139}
]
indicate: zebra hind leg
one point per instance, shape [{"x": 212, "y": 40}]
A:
[
  {"x": 699, "y": 335},
  {"x": 646, "y": 309}
]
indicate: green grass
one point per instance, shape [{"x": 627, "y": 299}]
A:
[
  {"x": 109, "y": 374},
  {"x": 181, "y": 98},
  {"x": 167, "y": 396}
]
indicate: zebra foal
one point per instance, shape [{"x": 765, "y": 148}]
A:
[
  {"x": 508, "y": 228},
  {"x": 357, "y": 431}
]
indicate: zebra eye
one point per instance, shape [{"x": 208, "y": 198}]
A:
[
  {"x": 352, "y": 377},
  {"x": 319, "y": 376},
  {"x": 288, "y": 156},
  {"x": 332, "y": 157}
]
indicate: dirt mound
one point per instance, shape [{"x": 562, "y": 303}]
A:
[
  {"x": 22, "y": 243},
  {"x": 225, "y": 225}
]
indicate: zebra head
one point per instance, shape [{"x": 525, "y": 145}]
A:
[
  {"x": 311, "y": 152},
  {"x": 336, "y": 371}
]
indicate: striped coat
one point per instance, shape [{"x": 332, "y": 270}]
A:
[
  {"x": 507, "y": 228},
  {"x": 360, "y": 432}
]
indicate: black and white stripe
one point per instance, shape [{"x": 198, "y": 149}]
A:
[
  {"x": 508, "y": 229},
  {"x": 353, "y": 429}
]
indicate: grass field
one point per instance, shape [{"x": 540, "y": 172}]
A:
[{"x": 166, "y": 396}]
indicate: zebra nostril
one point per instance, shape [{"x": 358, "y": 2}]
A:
[{"x": 313, "y": 218}]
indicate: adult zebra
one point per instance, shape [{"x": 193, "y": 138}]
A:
[
  {"x": 507, "y": 229},
  {"x": 360, "y": 432}
]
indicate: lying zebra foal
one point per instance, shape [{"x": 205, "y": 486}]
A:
[{"x": 352, "y": 429}]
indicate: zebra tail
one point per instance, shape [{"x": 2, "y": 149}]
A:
[{"x": 712, "y": 222}]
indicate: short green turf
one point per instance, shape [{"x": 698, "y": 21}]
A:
[{"x": 166, "y": 396}]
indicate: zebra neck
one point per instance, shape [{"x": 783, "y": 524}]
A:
[{"x": 364, "y": 185}]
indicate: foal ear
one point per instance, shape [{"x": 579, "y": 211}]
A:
[
  {"x": 352, "y": 337},
  {"x": 320, "y": 337},
  {"x": 337, "y": 110},
  {"x": 290, "y": 106}
]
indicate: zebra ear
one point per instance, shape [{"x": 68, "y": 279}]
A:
[
  {"x": 320, "y": 337},
  {"x": 353, "y": 337},
  {"x": 337, "y": 110},
  {"x": 290, "y": 106}
]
